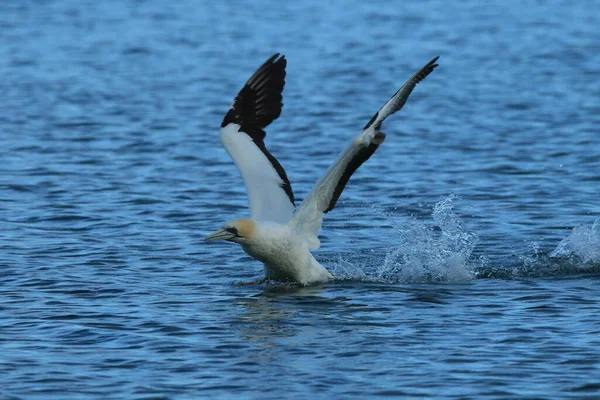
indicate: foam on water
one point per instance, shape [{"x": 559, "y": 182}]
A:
[{"x": 424, "y": 252}]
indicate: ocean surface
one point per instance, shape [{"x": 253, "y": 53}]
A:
[{"x": 466, "y": 251}]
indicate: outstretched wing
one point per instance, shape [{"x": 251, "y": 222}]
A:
[
  {"x": 255, "y": 107},
  {"x": 324, "y": 195}
]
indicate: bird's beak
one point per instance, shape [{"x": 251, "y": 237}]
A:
[{"x": 221, "y": 234}]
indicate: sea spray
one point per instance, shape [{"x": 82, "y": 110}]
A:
[
  {"x": 582, "y": 246},
  {"x": 421, "y": 252}
]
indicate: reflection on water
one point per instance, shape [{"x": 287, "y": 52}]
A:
[
  {"x": 284, "y": 290},
  {"x": 281, "y": 314},
  {"x": 265, "y": 317}
]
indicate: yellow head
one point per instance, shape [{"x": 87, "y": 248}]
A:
[{"x": 239, "y": 231}]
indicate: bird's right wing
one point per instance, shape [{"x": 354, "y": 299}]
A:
[{"x": 308, "y": 218}]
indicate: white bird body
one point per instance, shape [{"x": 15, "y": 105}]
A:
[
  {"x": 285, "y": 256},
  {"x": 275, "y": 235}
]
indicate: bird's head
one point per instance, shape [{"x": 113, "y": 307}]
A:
[{"x": 240, "y": 231}]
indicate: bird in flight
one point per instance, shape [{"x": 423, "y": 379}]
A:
[{"x": 274, "y": 234}]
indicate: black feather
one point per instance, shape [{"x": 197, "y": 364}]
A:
[{"x": 359, "y": 158}]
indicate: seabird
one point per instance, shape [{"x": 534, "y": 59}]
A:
[{"x": 274, "y": 234}]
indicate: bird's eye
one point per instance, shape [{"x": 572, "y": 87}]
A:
[{"x": 233, "y": 230}]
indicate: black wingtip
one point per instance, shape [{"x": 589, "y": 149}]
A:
[
  {"x": 426, "y": 70},
  {"x": 260, "y": 101},
  {"x": 432, "y": 64},
  {"x": 276, "y": 57},
  {"x": 277, "y": 60}
]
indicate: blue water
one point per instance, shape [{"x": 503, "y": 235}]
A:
[{"x": 467, "y": 250}]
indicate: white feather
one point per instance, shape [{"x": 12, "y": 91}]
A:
[
  {"x": 268, "y": 201},
  {"x": 309, "y": 217}
]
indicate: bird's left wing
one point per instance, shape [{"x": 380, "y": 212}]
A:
[
  {"x": 255, "y": 107},
  {"x": 324, "y": 195}
]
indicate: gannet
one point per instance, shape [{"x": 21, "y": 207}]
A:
[{"x": 274, "y": 234}]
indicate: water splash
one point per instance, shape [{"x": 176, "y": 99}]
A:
[
  {"x": 423, "y": 253},
  {"x": 577, "y": 253},
  {"x": 581, "y": 247}
]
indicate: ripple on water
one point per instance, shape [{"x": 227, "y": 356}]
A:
[{"x": 112, "y": 174}]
